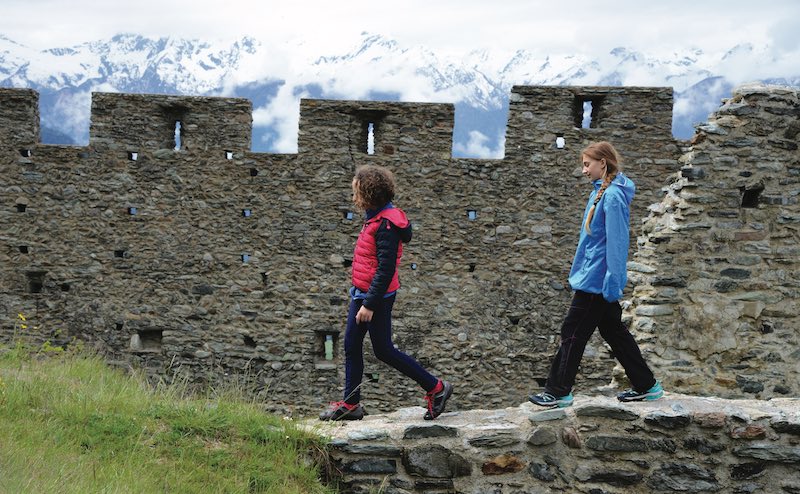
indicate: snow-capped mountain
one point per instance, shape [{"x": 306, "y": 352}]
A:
[{"x": 276, "y": 77}]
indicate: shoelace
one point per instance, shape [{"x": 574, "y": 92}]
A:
[
  {"x": 430, "y": 396},
  {"x": 333, "y": 405}
]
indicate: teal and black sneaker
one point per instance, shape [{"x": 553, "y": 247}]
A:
[
  {"x": 545, "y": 399},
  {"x": 653, "y": 393}
]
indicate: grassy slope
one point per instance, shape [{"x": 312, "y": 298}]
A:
[{"x": 69, "y": 424}]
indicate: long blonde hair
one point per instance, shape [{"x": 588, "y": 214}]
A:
[{"x": 602, "y": 150}]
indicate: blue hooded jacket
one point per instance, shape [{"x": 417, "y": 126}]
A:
[{"x": 601, "y": 258}]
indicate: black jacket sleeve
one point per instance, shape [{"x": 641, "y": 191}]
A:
[{"x": 387, "y": 241}]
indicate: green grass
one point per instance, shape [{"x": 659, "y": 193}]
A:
[{"x": 71, "y": 424}]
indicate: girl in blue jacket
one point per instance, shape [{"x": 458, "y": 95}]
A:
[{"x": 598, "y": 276}]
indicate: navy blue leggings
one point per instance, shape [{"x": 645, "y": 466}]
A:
[
  {"x": 587, "y": 312},
  {"x": 380, "y": 334}
]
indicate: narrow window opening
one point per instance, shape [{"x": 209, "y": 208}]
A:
[
  {"x": 177, "y": 135},
  {"x": 250, "y": 342},
  {"x": 119, "y": 253},
  {"x": 586, "y": 111},
  {"x": 264, "y": 278},
  {"x": 132, "y": 211},
  {"x": 472, "y": 214},
  {"x": 147, "y": 341},
  {"x": 325, "y": 348},
  {"x": 253, "y": 172},
  {"x": 247, "y": 213},
  {"x": 245, "y": 258},
  {"x": 133, "y": 155},
  {"x": 472, "y": 267},
  {"x": 348, "y": 215},
  {"x": 560, "y": 142},
  {"x": 413, "y": 266},
  {"x": 228, "y": 155},
  {"x": 118, "y": 326},
  {"x": 23, "y": 249},
  {"x": 586, "y": 121},
  {"x": 35, "y": 281},
  {"x": 21, "y": 207},
  {"x": 26, "y": 153},
  {"x": 370, "y": 138}
]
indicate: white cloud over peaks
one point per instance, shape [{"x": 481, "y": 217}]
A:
[
  {"x": 282, "y": 114},
  {"x": 72, "y": 111},
  {"x": 479, "y": 146}
]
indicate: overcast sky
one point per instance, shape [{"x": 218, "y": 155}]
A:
[{"x": 449, "y": 26}]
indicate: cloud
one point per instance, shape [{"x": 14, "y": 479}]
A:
[
  {"x": 478, "y": 146},
  {"x": 282, "y": 115},
  {"x": 71, "y": 112}
]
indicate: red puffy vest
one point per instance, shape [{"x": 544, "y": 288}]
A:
[{"x": 365, "y": 257}]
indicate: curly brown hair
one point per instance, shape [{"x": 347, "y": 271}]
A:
[{"x": 373, "y": 187}]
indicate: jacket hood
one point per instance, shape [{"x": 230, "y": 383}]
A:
[
  {"x": 398, "y": 218},
  {"x": 624, "y": 184}
]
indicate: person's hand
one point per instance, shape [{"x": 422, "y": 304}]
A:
[{"x": 364, "y": 315}]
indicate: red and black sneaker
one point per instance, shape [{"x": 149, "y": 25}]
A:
[
  {"x": 437, "y": 398},
  {"x": 339, "y": 410}
]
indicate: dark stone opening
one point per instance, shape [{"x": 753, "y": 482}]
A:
[
  {"x": 35, "y": 281},
  {"x": 751, "y": 194},
  {"x": 149, "y": 340}
]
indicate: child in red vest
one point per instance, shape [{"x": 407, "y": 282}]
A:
[{"x": 375, "y": 282}]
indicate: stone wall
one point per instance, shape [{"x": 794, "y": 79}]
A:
[
  {"x": 196, "y": 259},
  {"x": 677, "y": 444},
  {"x": 717, "y": 296},
  {"x": 19, "y": 131}
]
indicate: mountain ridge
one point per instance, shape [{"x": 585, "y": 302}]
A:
[{"x": 376, "y": 67}]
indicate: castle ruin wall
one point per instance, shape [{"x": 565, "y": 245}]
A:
[{"x": 176, "y": 249}]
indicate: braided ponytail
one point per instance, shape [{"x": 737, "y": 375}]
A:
[
  {"x": 609, "y": 177},
  {"x": 602, "y": 150}
]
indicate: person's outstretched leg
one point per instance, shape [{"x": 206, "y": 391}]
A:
[
  {"x": 380, "y": 334},
  {"x": 579, "y": 324},
  {"x": 627, "y": 352}
]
